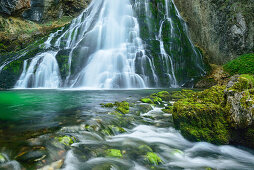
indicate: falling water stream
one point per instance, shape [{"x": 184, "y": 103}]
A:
[
  {"x": 105, "y": 51},
  {"x": 110, "y": 33}
]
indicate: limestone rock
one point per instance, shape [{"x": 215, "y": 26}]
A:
[
  {"x": 240, "y": 102},
  {"x": 10, "y": 7},
  {"x": 224, "y": 29}
]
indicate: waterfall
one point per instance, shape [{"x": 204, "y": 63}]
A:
[
  {"x": 109, "y": 33},
  {"x": 46, "y": 75},
  {"x": 107, "y": 46}
]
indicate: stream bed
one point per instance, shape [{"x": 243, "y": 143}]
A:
[{"x": 69, "y": 129}]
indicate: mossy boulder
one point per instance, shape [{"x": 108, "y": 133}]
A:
[
  {"x": 164, "y": 95},
  {"x": 240, "y": 102},
  {"x": 123, "y": 107},
  {"x": 66, "y": 140},
  {"x": 201, "y": 122},
  {"x": 147, "y": 100},
  {"x": 220, "y": 114},
  {"x": 153, "y": 158},
  {"x": 107, "y": 105}
]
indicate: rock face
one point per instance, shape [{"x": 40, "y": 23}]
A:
[
  {"x": 224, "y": 29},
  {"x": 240, "y": 102},
  {"x": 10, "y": 7},
  {"x": 43, "y": 10}
]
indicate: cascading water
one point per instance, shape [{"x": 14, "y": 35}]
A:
[
  {"x": 108, "y": 46},
  {"x": 177, "y": 62},
  {"x": 108, "y": 34}
]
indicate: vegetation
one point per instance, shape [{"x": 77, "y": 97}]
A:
[
  {"x": 153, "y": 158},
  {"x": 241, "y": 65},
  {"x": 210, "y": 116},
  {"x": 114, "y": 153}
]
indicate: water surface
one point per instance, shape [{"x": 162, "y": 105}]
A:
[{"x": 31, "y": 115}]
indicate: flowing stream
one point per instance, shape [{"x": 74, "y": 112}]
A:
[{"x": 28, "y": 137}]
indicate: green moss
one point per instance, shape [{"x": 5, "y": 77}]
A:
[
  {"x": 164, "y": 95},
  {"x": 117, "y": 129},
  {"x": 147, "y": 100},
  {"x": 157, "y": 100},
  {"x": 145, "y": 148},
  {"x": 123, "y": 107},
  {"x": 200, "y": 116},
  {"x": 153, "y": 158},
  {"x": 182, "y": 94},
  {"x": 2, "y": 158},
  {"x": 168, "y": 109},
  {"x": 201, "y": 122},
  {"x": 114, "y": 153},
  {"x": 107, "y": 105},
  {"x": 249, "y": 77},
  {"x": 66, "y": 140},
  {"x": 242, "y": 65},
  {"x": 242, "y": 84}
]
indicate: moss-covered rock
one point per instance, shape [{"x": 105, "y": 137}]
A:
[
  {"x": 164, "y": 95},
  {"x": 153, "y": 158},
  {"x": 116, "y": 153},
  {"x": 146, "y": 100},
  {"x": 220, "y": 114},
  {"x": 107, "y": 104},
  {"x": 201, "y": 122},
  {"x": 66, "y": 140},
  {"x": 123, "y": 107}
]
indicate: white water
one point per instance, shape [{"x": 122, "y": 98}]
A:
[
  {"x": 175, "y": 151},
  {"x": 109, "y": 33},
  {"x": 43, "y": 72}
]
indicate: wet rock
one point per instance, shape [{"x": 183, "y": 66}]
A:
[
  {"x": 16, "y": 7},
  {"x": 114, "y": 153},
  {"x": 240, "y": 102},
  {"x": 144, "y": 108},
  {"x": 67, "y": 140},
  {"x": 123, "y": 107},
  {"x": 54, "y": 165},
  {"x": 3, "y": 159},
  {"x": 153, "y": 158},
  {"x": 43, "y": 10},
  {"x": 224, "y": 29},
  {"x": 31, "y": 156},
  {"x": 10, "y": 165}
]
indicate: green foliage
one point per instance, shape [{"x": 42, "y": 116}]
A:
[
  {"x": 241, "y": 65},
  {"x": 114, "y": 153}
]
